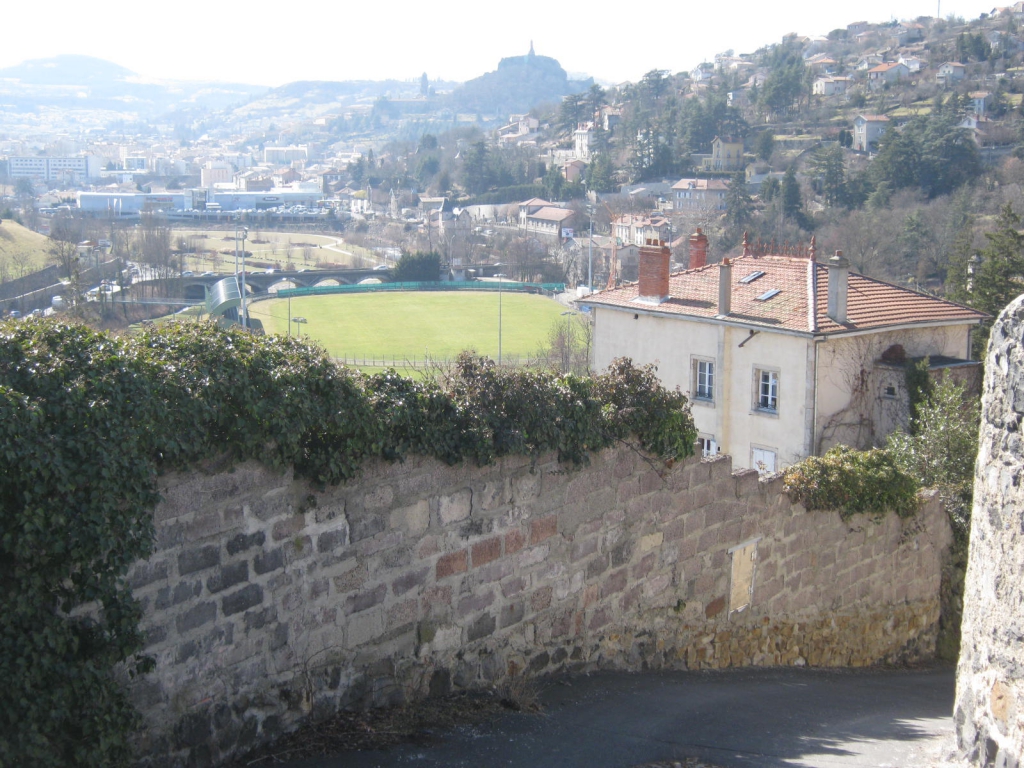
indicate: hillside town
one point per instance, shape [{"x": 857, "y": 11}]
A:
[{"x": 338, "y": 414}]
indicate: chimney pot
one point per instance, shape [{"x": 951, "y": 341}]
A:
[
  {"x": 838, "y": 287},
  {"x": 698, "y": 249},
  {"x": 654, "y": 269},
  {"x": 725, "y": 287}
]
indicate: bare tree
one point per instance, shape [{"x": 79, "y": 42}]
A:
[{"x": 65, "y": 235}]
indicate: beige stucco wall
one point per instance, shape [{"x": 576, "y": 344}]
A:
[
  {"x": 816, "y": 409},
  {"x": 850, "y": 407},
  {"x": 731, "y": 420}
]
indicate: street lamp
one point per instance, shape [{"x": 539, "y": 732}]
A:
[
  {"x": 499, "y": 276},
  {"x": 590, "y": 252},
  {"x": 242, "y": 232}
]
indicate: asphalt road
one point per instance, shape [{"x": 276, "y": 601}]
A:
[{"x": 734, "y": 718}]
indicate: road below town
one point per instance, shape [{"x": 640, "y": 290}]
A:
[{"x": 733, "y": 718}]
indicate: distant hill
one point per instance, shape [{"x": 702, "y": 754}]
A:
[
  {"x": 66, "y": 70},
  {"x": 86, "y": 84},
  {"x": 519, "y": 83}
]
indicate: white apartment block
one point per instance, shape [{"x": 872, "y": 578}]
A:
[{"x": 60, "y": 169}]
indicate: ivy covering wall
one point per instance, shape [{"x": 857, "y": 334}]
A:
[{"x": 88, "y": 421}]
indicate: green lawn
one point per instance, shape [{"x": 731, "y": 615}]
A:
[
  {"x": 21, "y": 250},
  {"x": 417, "y": 324}
]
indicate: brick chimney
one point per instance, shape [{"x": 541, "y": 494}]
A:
[
  {"x": 838, "y": 281},
  {"x": 725, "y": 287},
  {"x": 698, "y": 249},
  {"x": 654, "y": 264}
]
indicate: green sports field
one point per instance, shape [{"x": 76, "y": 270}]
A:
[{"x": 416, "y": 325}]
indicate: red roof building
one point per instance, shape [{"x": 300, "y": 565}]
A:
[{"x": 783, "y": 356}]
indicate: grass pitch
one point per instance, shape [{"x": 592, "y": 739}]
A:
[{"x": 416, "y": 325}]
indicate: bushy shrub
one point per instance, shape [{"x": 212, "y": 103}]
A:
[
  {"x": 853, "y": 482},
  {"x": 88, "y": 421}
]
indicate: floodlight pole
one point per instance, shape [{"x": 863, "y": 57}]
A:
[
  {"x": 245, "y": 233},
  {"x": 499, "y": 276},
  {"x": 590, "y": 252}
]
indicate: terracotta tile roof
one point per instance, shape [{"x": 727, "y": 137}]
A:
[
  {"x": 701, "y": 184},
  {"x": 802, "y": 286},
  {"x": 551, "y": 214}
]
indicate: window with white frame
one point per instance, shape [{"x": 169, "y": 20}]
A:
[
  {"x": 708, "y": 446},
  {"x": 703, "y": 379},
  {"x": 767, "y": 390},
  {"x": 763, "y": 460}
]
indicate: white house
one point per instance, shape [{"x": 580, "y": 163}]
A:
[
  {"x": 889, "y": 72},
  {"x": 700, "y": 194},
  {"x": 782, "y": 356},
  {"x": 951, "y": 72},
  {"x": 867, "y": 130},
  {"x": 831, "y": 86}
]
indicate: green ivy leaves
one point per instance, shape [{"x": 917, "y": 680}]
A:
[{"x": 87, "y": 421}]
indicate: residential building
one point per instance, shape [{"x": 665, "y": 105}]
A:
[
  {"x": 951, "y": 72},
  {"x": 700, "y": 194},
  {"x": 65, "y": 170},
  {"x": 831, "y": 86},
  {"x": 979, "y": 102},
  {"x": 638, "y": 229},
  {"x": 284, "y": 155},
  {"x": 215, "y": 172},
  {"x": 889, "y": 72},
  {"x": 581, "y": 141},
  {"x": 726, "y": 155},
  {"x": 539, "y": 217},
  {"x": 782, "y": 356},
  {"x": 912, "y": 63},
  {"x": 867, "y": 130}
]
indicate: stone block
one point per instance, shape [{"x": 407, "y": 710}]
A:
[
  {"x": 366, "y": 525},
  {"x": 414, "y": 519},
  {"x": 328, "y": 512},
  {"x": 513, "y": 586},
  {"x": 525, "y": 487},
  {"x": 644, "y": 567},
  {"x": 510, "y": 614},
  {"x": 352, "y": 578},
  {"x": 196, "y": 616},
  {"x": 265, "y": 562},
  {"x": 366, "y": 599},
  {"x": 584, "y": 547},
  {"x": 332, "y": 540},
  {"x": 486, "y": 551},
  {"x": 192, "y": 560},
  {"x": 380, "y": 497},
  {"x": 651, "y": 541},
  {"x": 402, "y": 613},
  {"x": 541, "y": 599},
  {"x": 456, "y": 507},
  {"x": 475, "y": 603},
  {"x": 596, "y": 567},
  {"x": 289, "y": 527},
  {"x": 245, "y": 541},
  {"x": 228, "y": 576},
  {"x": 515, "y": 540},
  {"x": 543, "y": 529},
  {"x": 242, "y": 600},
  {"x": 145, "y": 573},
  {"x": 182, "y": 591},
  {"x": 614, "y": 583},
  {"x": 481, "y": 628},
  {"x": 409, "y": 580},
  {"x": 364, "y": 628},
  {"x": 452, "y": 563}
]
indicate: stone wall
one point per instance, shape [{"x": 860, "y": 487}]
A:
[
  {"x": 989, "y": 711},
  {"x": 268, "y": 601}
]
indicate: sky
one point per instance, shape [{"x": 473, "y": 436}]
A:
[{"x": 272, "y": 44}]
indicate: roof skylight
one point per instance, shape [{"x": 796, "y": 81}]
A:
[
  {"x": 751, "y": 277},
  {"x": 769, "y": 294}
]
